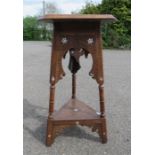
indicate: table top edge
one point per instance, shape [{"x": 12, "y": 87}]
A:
[{"x": 66, "y": 17}]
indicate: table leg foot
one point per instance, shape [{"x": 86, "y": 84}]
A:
[
  {"x": 49, "y": 134},
  {"x": 103, "y": 132}
]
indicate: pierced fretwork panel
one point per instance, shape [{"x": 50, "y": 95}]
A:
[{"x": 77, "y": 45}]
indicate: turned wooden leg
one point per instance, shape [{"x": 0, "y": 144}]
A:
[
  {"x": 73, "y": 86},
  {"x": 101, "y": 95},
  {"x": 52, "y": 96},
  {"x": 49, "y": 134}
]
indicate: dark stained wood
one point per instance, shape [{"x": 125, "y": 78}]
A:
[
  {"x": 80, "y": 36},
  {"x": 73, "y": 86}
]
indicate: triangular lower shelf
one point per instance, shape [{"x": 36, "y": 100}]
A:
[{"x": 75, "y": 110}]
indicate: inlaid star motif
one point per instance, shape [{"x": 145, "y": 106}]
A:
[
  {"x": 64, "y": 40},
  {"x": 90, "y": 40}
]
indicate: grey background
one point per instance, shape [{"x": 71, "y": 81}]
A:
[{"x": 77, "y": 140}]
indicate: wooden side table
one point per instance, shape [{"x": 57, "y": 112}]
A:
[{"x": 79, "y": 35}]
